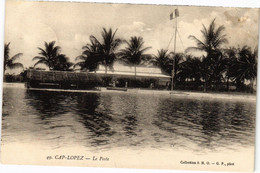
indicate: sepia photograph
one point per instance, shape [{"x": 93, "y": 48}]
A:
[{"x": 123, "y": 85}]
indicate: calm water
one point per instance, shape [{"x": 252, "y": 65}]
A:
[{"x": 104, "y": 121}]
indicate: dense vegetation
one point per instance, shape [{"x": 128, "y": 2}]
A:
[{"x": 217, "y": 69}]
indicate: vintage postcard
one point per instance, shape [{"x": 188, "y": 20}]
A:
[{"x": 129, "y": 86}]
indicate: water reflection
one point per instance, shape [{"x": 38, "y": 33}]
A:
[
  {"x": 94, "y": 119},
  {"x": 129, "y": 115},
  {"x": 48, "y": 104},
  {"x": 130, "y": 123},
  {"x": 207, "y": 124},
  {"x": 123, "y": 120}
]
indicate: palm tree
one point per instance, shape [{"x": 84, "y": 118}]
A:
[
  {"x": 191, "y": 69},
  {"x": 246, "y": 65},
  {"x": 162, "y": 60},
  {"x": 51, "y": 57},
  {"x": 90, "y": 57},
  {"x": 62, "y": 63},
  {"x": 10, "y": 62},
  {"x": 169, "y": 62},
  {"x": 213, "y": 39},
  {"x": 231, "y": 55},
  {"x": 176, "y": 64},
  {"x": 133, "y": 54},
  {"x": 48, "y": 55},
  {"x": 219, "y": 68},
  {"x": 107, "y": 47}
]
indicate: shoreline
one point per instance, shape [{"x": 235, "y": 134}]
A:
[{"x": 177, "y": 93}]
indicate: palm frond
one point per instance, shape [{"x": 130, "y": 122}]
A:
[
  {"x": 80, "y": 64},
  {"x": 6, "y": 51},
  {"x": 9, "y": 62},
  {"x": 95, "y": 40},
  {"x": 81, "y": 58},
  {"x": 204, "y": 31},
  {"x": 145, "y": 49},
  {"x": 15, "y": 65},
  {"x": 39, "y": 58},
  {"x": 43, "y": 52},
  {"x": 15, "y": 57},
  {"x": 189, "y": 49},
  {"x": 42, "y": 61},
  {"x": 198, "y": 42}
]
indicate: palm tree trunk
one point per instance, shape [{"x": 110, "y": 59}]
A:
[
  {"x": 205, "y": 85},
  {"x": 105, "y": 66},
  {"x": 251, "y": 84},
  {"x": 135, "y": 72},
  {"x": 4, "y": 77},
  {"x": 135, "y": 81},
  {"x": 227, "y": 83},
  {"x": 174, "y": 78},
  {"x": 238, "y": 85}
]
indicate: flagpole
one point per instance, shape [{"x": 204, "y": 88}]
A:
[{"x": 174, "y": 50}]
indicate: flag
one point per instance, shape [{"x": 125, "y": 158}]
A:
[
  {"x": 171, "y": 16},
  {"x": 175, "y": 14}
]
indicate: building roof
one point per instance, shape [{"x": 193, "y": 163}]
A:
[{"x": 124, "y": 70}]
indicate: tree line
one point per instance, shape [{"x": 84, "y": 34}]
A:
[{"x": 218, "y": 68}]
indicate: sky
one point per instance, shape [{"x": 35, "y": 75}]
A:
[{"x": 29, "y": 24}]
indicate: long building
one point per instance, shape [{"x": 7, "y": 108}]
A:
[
  {"x": 120, "y": 76},
  {"x": 127, "y": 73}
]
